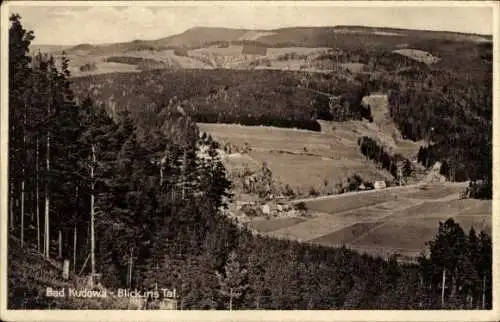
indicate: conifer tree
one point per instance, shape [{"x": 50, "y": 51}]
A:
[
  {"x": 233, "y": 281},
  {"x": 19, "y": 75},
  {"x": 484, "y": 268},
  {"x": 447, "y": 252}
]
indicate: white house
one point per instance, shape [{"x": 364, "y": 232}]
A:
[{"x": 379, "y": 185}]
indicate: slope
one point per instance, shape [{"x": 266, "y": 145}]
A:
[
  {"x": 443, "y": 45},
  {"x": 30, "y": 275}
]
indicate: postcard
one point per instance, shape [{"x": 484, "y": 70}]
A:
[{"x": 232, "y": 160}]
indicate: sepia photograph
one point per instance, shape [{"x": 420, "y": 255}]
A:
[{"x": 265, "y": 157}]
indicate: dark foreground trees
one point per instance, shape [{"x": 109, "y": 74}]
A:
[{"x": 459, "y": 267}]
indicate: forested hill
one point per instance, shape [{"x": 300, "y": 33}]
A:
[
  {"x": 146, "y": 205},
  {"x": 337, "y": 36},
  {"x": 447, "y": 105}
]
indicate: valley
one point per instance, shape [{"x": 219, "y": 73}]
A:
[
  {"x": 396, "y": 221},
  {"x": 341, "y": 167},
  {"x": 308, "y": 165}
]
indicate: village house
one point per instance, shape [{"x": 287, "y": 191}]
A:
[
  {"x": 266, "y": 210},
  {"x": 379, "y": 185}
]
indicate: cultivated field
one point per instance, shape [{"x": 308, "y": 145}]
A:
[
  {"x": 399, "y": 220},
  {"x": 329, "y": 157}
]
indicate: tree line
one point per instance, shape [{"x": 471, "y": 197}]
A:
[{"x": 392, "y": 163}]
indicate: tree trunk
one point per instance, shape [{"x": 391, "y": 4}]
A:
[
  {"x": 74, "y": 230},
  {"x": 162, "y": 162},
  {"x": 47, "y": 196},
  {"x": 31, "y": 198},
  {"x": 184, "y": 169},
  {"x": 92, "y": 214},
  {"x": 11, "y": 206},
  {"x": 23, "y": 182},
  {"x": 130, "y": 261},
  {"x": 483, "y": 302},
  {"x": 37, "y": 196},
  {"x": 74, "y": 249},
  {"x": 59, "y": 243},
  {"x": 454, "y": 283},
  {"x": 231, "y": 299},
  {"x": 22, "y": 211},
  {"x": 59, "y": 253},
  {"x": 443, "y": 286},
  {"x": 47, "y": 204}
]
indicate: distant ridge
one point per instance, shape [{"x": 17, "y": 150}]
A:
[{"x": 297, "y": 36}]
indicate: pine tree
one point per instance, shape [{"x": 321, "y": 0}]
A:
[
  {"x": 99, "y": 143},
  {"x": 484, "y": 268},
  {"x": 66, "y": 170},
  {"x": 233, "y": 281},
  {"x": 447, "y": 252},
  {"x": 470, "y": 273},
  {"x": 19, "y": 78}
]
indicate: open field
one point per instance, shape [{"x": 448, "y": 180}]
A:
[
  {"x": 287, "y": 151},
  {"x": 398, "y": 220},
  {"x": 347, "y": 234},
  {"x": 331, "y": 155},
  {"x": 265, "y": 225}
]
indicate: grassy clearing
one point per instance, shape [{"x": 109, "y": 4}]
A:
[
  {"x": 345, "y": 235},
  {"x": 289, "y": 169},
  {"x": 350, "y": 202},
  {"x": 395, "y": 206},
  {"x": 429, "y": 208},
  {"x": 435, "y": 192},
  {"x": 315, "y": 228},
  {"x": 399, "y": 233},
  {"x": 479, "y": 207},
  {"x": 329, "y": 156},
  {"x": 380, "y": 225},
  {"x": 274, "y": 224},
  {"x": 358, "y": 215}
]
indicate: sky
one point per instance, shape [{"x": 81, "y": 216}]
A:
[{"x": 71, "y": 25}]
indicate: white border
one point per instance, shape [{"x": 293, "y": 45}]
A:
[{"x": 372, "y": 315}]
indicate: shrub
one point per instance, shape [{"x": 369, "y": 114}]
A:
[
  {"x": 301, "y": 206},
  {"x": 288, "y": 192},
  {"x": 249, "y": 211},
  {"x": 313, "y": 192},
  {"x": 88, "y": 67},
  {"x": 181, "y": 52},
  {"x": 479, "y": 190}
]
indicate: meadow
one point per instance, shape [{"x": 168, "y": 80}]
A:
[
  {"x": 395, "y": 221},
  {"x": 330, "y": 157}
]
